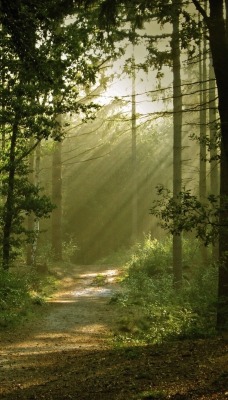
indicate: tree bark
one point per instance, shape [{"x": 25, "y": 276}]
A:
[
  {"x": 203, "y": 129},
  {"x": 30, "y": 220},
  {"x": 219, "y": 49},
  {"x": 134, "y": 158},
  {"x": 218, "y": 36},
  {"x": 177, "y": 138},
  {"x": 36, "y": 225},
  {"x": 9, "y": 203},
  {"x": 214, "y": 163},
  {"x": 57, "y": 201}
]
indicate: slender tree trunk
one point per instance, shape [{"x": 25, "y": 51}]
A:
[
  {"x": 36, "y": 224},
  {"x": 214, "y": 163},
  {"x": 57, "y": 201},
  {"x": 177, "y": 138},
  {"x": 134, "y": 158},
  {"x": 3, "y": 106},
  {"x": 30, "y": 220},
  {"x": 203, "y": 128},
  {"x": 9, "y": 203}
]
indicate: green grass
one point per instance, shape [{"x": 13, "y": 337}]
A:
[
  {"x": 151, "y": 310},
  {"x": 152, "y": 395},
  {"x": 22, "y": 290},
  {"x": 100, "y": 280}
]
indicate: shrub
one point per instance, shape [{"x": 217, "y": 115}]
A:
[
  {"x": 14, "y": 297},
  {"x": 155, "y": 310},
  {"x": 20, "y": 290}
]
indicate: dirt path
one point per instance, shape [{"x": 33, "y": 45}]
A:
[
  {"x": 77, "y": 317},
  {"x": 66, "y": 353}
]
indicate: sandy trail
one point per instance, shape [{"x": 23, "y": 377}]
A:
[
  {"x": 77, "y": 317},
  {"x": 66, "y": 353}
]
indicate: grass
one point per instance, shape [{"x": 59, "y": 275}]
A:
[
  {"x": 151, "y": 310},
  {"x": 21, "y": 291},
  {"x": 152, "y": 395},
  {"x": 100, "y": 280}
]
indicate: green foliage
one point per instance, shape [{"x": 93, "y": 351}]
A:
[
  {"x": 152, "y": 395},
  {"x": 14, "y": 298},
  {"x": 47, "y": 67},
  {"x": 155, "y": 311},
  {"x": 118, "y": 257},
  {"x": 44, "y": 253},
  {"x": 27, "y": 198},
  {"x": 21, "y": 290},
  {"x": 151, "y": 256},
  {"x": 100, "y": 280},
  {"x": 69, "y": 249},
  {"x": 187, "y": 213}
]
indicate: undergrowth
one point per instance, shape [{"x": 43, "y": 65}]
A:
[
  {"x": 21, "y": 291},
  {"x": 152, "y": 311}
]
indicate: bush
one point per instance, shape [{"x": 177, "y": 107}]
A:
[
  {"x": 14, "y": 297},
  {"x": 155, "y": 310},
  {"x": 20, "y": 290},
  {"x": 152, "y": 257}
]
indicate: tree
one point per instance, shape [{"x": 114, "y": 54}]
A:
[
  {"x": 177, "y": 137},
  {"x": 214, "y": 145},
  {"x": 218, "y": 38},
  {"x": 134, "y": 152},
  {"x": 203, "y": 124},
  {"x": 35, "y": 73},
  {"x": 57, "y": 200},
  {"x": 30, "y": 218}
]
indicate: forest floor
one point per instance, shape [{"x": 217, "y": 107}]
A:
[{"x": 67, "y": 352}]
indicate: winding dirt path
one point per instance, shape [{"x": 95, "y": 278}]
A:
[
  {"x": 66, "y": 353},
  {"x": 76, "y": 318}
]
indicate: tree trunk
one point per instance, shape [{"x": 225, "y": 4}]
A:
[
  {"x": 36, "y": 226},
  {"x": 57, "y": 201},
  {"x": 214, "y": 163},
  {"x": 134, "y": 159},
  {"x": 9, "y": 204},
  {"x": 218, "y": 36},
  {"x": 177, "y": 138},
  {"x": 219, "y": 50},
  {"x": 30, "y": 220},
  {"x": 203, "y": 129}
]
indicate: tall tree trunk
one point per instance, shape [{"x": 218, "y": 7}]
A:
[
  {"x": 177, "y": 138},
  {"x": 9, "y": 203},
  {"x": 219, "y": 49},
  {"x": 3, "y": 101},
  {"x": 30, "y": 220},
  {"x": 134, "y": 158},
  {"x": 36, "y": 224},
  {"x": 203, "y": 128},
  {"x": 218, "y": 35},
  {"x": 57, "y": 201},
  {"x": 214, "y": 164}
]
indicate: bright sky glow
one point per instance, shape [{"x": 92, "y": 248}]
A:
[{"x": 145, "y": 83}]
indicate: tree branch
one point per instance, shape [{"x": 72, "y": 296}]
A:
[
  {"x": 23, "y": 155},
  {"x": 201, "y": 10}
]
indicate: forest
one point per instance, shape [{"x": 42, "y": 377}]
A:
[{"x": 114, "y": 173}]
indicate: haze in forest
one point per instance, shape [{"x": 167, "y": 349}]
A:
[{"x": 96, "y": 155}]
